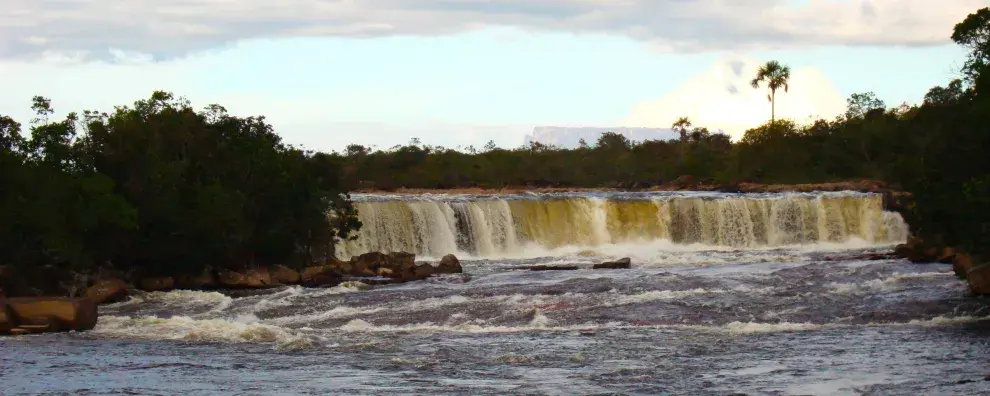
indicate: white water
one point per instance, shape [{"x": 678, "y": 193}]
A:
[{"x": 521, "y": 226}]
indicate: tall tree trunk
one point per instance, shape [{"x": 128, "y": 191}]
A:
[{"x": 773, "y": 106}]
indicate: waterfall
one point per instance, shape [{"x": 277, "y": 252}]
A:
[{"x": 488, "y": 226}]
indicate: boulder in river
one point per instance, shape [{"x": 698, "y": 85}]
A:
[
  {"x": 368, "y": 264},
  {"x": 979, "y": 279},
  {"x": 107, "y": 291},
  {"x": 205, "y": 280},
  {"x": 251, "y": 278},
  {"x": 425, "y": 270},
  {"x": 961, "y": 264},
  {"x": 258, "y": 278},
  {"x": 285, "y": 275},
  {"x": 321, "y": 276},
  {"x": 623, "y": 263},
  {"x": 231, "y": 279},
  {"x": 449, "y": 264},
  {"x": 43, "y": 314},
  {"x": 6, "y": 317},
  {"x": 161, "y": 283}
]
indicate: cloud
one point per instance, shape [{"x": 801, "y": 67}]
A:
[
  {"x": 722, "y": 98},
  {"x": 176, "y": 28}
]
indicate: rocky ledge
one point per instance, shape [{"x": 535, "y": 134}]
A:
[
  {"x": 46, "y": 314},
  {"x": 31, "y": 309},
  {"x": 975, "y": 269}
]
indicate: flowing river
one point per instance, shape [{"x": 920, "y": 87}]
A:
[{"x": 729, "y": 294}]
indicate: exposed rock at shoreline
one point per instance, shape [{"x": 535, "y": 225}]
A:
[
  {"x": 46, "y": 314},
  {"x": 979, "y": 279},
  {"x": 972, "y": 268},
  {"x": 285, "y": 275},
  {"x": 163, "y": 283},
  {"x": 107, "y": 291},
  {"x": 205, "y": 280},
  {"x": 623, "y": 263},
  {"x": 321, "y": 276}
]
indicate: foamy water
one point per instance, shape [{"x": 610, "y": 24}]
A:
[{"x": 689, "y": 318}]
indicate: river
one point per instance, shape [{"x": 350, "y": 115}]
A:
[{"x": 729, "y": 294}]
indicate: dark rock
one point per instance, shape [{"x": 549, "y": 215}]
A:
[
  {"x": 231, "y": 279},
  {"x": 204, "y": 280},
  {"x": 285, "y": 275},
  {"x": 321, "y": 276},
  {"x": 6, "y": 317},
  {"x": 107, "y": 291},
  {"x": 685, "y": 181},
  {"x": 979, "y": 279},
  {"x": 449, "y": 264},
  {"x": 945, "y": 255},
  {"x": 903, "y": 250},
  {"x": 425, "y": 270},
  {"x": 961, "y": 264},
  {"x": 77, "y": 314},
  {"x": 251, "y": 278},
  {"x": 400, "y": 260},
  {"x": 623, "y": 263},
  {"x": 153, "y": 284},
  {"x": 258, "y": 278},
  {"x": 368, "y": 264}
]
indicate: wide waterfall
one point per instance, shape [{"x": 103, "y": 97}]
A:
[{"x": 491, "y": 226}]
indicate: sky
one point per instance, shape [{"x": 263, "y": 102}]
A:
[{"x": 327, "y": 73}]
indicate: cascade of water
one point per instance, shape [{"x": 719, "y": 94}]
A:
[{"x": 492, "y": 226}]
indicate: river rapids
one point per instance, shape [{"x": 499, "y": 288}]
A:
[{"x": 728, "y": 294}]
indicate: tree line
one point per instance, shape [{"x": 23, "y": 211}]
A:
[
  {"x": 936, "y": 150},
  {"x": 160, "y": 188}
]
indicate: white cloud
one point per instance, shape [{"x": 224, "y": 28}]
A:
[
  {"x": 178, "y": 27},
  {"x": 722, "y": 98}
]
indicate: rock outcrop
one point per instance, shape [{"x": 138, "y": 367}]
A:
[
  {"x": 449, "y": 264},
  {"x": 285, "y": 275},
  {"x": 321, "y": 276},
  {"x": 252, "y": 278},
  {"x": 975, "y": 270},
  {"x": 47, "y": 314},
  {"x": 961, "y": 264},
  {"x": 6, "y": 317},
  {"x": 107, "y": 291},
  {"x": 623, "y": 263},
  {"x": 162, "y": 283},
  {"x": 205, "y": 280},
  {"x": 917, "y": 250},
  {"x": 258, "y": 278},
  {"x": 979, "y": 279}
]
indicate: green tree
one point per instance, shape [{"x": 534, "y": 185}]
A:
[
  {"x": 681, "y": 125},
  {"x": 859, "y": 104},
  {"x": 776, "y": 76},
  {"x": 973, "y": 33}
]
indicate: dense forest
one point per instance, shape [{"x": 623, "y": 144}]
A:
[{"x": 159, "y": 187}]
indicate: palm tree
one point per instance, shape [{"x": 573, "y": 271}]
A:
[
  {"x": 682, "y": 124},
  {"x": 776, "y": 76}
]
